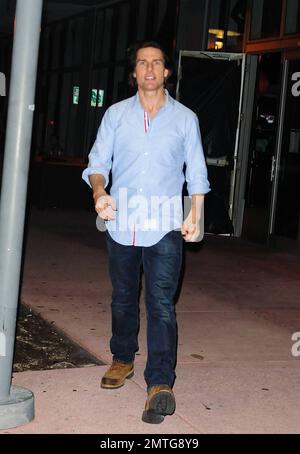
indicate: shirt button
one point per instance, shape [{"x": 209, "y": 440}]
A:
[
  {"x": 141, "y": 190},
  {"x": 143, "y": 171},
  {"x": 146, "y": 154}
]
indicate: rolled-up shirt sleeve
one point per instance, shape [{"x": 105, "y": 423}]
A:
[
  {"x": 196, "y": 171},
  {"x": 100, "y": 156}
]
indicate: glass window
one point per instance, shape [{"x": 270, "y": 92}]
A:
[
  {"x": 56, "y": 47},
  {"x": 99, "y": 36},
  {"x": 79, "y": 39},
  {"x": 226, "y": 25},
  {"x": 107, "y": 36},
  {"x": 217, "y": 23},
  {"x": 123, "y": 31},
  {"x": 265, "y": 18},
  {"x": 190, "y": 25},
  {"x": 235, "y": 28},
  {"x": 292, "y": 18}
]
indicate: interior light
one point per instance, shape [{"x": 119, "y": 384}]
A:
[
  {"x": 220, "y": 33},
  {"x": 219, "y": 45}
]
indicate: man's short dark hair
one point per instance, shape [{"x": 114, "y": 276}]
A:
[{"x": 132, "y": 57}]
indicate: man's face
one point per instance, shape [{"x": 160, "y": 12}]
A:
[{"x": 150, "y": 71}]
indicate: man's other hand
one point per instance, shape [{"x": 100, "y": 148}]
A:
[
  {"x": 191, "y": 231},
  {"x": 192, "y": 228},
  {"x": 106, "y": 207}
]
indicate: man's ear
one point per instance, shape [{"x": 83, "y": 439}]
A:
[{"x": 166, "y": 73}]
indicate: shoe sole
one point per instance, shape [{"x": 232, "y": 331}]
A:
[
  {"x": 150, "y": 417},
  {"x": 161, "y": 404},
  {"x": 107, "y": 386}
]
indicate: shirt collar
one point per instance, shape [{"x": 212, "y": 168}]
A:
[{"x": 168, "y": 100}]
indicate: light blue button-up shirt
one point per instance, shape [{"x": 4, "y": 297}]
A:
[{"x": 147, "y": 162}]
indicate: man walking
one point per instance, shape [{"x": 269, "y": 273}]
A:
[{"x": 145, "y": 141}]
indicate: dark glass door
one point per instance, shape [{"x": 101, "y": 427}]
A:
[
  {"x": 262, "y": 155},
  {"x": 211, "y": 84},
  {"x": 287, "y": 210}
]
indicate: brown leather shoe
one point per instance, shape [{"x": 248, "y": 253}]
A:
[
  {"x": 116, "y": 375},
  {"x": 160, "y": 402}
]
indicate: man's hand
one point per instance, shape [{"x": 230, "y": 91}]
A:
[
  {"x": 192, "y": 228},
  {"x": 106, "y": 207}
]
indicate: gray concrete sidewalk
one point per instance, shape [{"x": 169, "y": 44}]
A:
[{"x": 238, "y": 307}]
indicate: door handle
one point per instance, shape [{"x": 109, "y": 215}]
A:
[{"x": 273, "y": 168}]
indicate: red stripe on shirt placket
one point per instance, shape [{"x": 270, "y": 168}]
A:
[
  {"x": 133, "y": 241},
  {"x": 146, "y": 128}
]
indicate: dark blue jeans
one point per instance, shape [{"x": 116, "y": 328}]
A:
[{"x": 162, "y": 264}]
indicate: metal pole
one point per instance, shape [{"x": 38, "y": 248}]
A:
[{"x": 16, "y": 404}]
